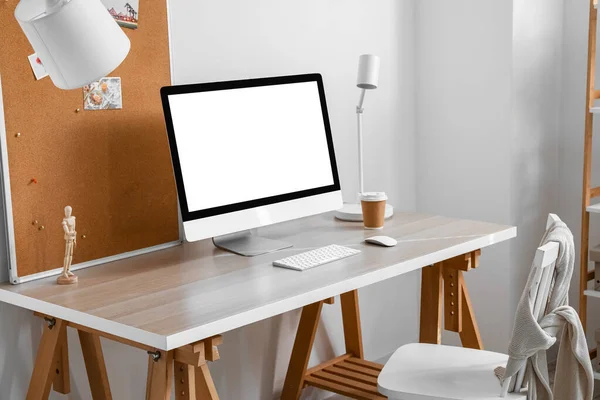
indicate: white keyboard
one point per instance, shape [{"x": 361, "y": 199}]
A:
[{"x": 315, "y": 258}]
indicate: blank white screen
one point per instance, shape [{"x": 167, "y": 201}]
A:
[{"x": 250, "y": 143}]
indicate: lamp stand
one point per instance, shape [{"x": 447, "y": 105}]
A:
[{"x": 353, "y": 211}]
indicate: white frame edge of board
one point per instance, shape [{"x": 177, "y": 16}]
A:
[
  {"x": 11, "y": 251},
  {"x": 93, "y": 263}
]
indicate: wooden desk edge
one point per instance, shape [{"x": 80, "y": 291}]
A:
[{"x": 92, "y": 322}]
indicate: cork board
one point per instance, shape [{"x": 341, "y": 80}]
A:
[{"x": 112, "y": 166}]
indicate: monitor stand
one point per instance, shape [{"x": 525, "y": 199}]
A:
[{"x": 246, "y": 244}]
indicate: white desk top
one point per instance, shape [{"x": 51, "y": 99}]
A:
[{"x": 180, "y": 295}]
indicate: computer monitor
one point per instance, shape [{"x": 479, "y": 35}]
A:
[{"x": 250, "y": 153}]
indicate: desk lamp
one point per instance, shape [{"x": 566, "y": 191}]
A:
[
  {"x": 78, "y": 41},
  {"x": 368, "y": 79}
]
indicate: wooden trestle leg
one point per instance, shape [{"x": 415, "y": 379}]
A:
[
  {"x": 187, "y": 364},
  {"x": 447, "y": 276},
  {"x": 349, "y": 375},
  {"x": 443, "y": 289},
  {"x": 48, "y": 353}
]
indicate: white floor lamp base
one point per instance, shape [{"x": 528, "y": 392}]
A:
[{"x": 353, "y": 212}]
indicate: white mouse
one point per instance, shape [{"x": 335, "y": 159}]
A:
[{"x": 382, "y": 241}]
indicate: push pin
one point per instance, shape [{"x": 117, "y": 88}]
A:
[
  {"x": 18, "y": 134},
  {"x": 33, "y": 180},
  {"x": 83, "y": 236},
  {"x": 34, "y": 222},
  {"x": 42, "y": 227},
  {"x": 77, "y": 110}
]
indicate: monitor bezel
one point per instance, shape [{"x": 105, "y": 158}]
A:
[{"x": 188, "y": 215}]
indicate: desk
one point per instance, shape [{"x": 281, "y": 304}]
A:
[{"x": 175, "y": 303}]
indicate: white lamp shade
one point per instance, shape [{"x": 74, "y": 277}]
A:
[
  {"x": 78, "y": 42},
  {"x": 368, "y": 71}
]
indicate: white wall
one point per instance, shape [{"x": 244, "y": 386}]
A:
[
  {"x": 234, "y": 39},
  {"x": 487, "y": 103},
  {"x": 464, "y": 48},
  {"x": 537, "y": 89},
  {"x": 574, "y": 70}
]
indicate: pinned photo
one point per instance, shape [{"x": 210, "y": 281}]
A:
[
  {"x": 37, "y": 67},
  {"x": 104, "y": 94},
  {"x": 125, "y": 12}
]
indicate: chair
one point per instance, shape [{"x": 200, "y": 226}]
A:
[{"x": 435, "y": 372}]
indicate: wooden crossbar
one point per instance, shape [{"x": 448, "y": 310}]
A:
[{"x": 103, "y": 334}]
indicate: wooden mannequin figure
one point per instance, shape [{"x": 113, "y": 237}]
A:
[{"x": 68, "y": 224}]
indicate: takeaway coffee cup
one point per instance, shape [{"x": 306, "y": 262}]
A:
[{"x": 373, "y": 209}]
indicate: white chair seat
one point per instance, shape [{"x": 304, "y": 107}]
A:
[{"x": 434, "y": 372}]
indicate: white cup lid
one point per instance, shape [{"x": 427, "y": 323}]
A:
[{"x": 373, "y": 196}]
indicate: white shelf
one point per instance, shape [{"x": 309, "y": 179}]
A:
[
  {"x": 592, "y": 293},
  {"x": 595, "y": 110},
  {"x": 593, "y": 208},
  {"x": 597, "y": 376}
]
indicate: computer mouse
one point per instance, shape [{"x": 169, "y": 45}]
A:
[{"x": 382, "y": 241}]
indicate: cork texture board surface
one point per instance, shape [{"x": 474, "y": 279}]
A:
[{"x": 112, "y": 166}]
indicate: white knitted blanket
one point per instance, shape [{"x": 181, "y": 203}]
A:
[{"x": 574, "y": 375}]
